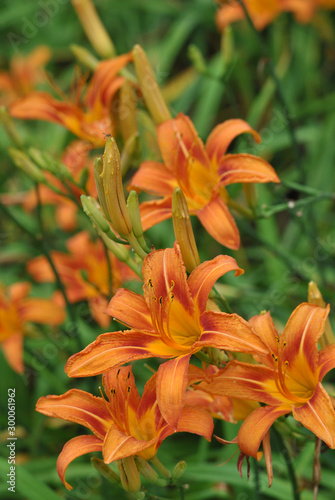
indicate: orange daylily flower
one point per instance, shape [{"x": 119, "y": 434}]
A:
[
  {"x": 89, "y": 119},
  {"x": 288, "y": 381},
  {"x": 24, "y": 74},
  {"x": 85, "y": 256},
  {"x": 263, "y": 12},
  {"x": 202, "y": 173},
  {"x": 229, "y": 409},
  {"x": 124, "y": 425},
  {"x": 170, "y": 321},
  {"x": 16, "y": 309}
]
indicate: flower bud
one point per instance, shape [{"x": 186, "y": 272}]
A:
[
  {"x": 9, "y": 126},
  {"x": 135, "y": 216},
  {"x": 315, "y": 297},
  {"x": 183, "y": 230},
  {"x": 113, "y": 189},
  {"x": 105, "y": 470},
  {"x": 97, "y": 169},
  {"x": 148, "y": 472},
  {"x": 179, "y": 470},
  {"x": 85, "y": 57},
  {"x": 94, "y": 29},
  {"x": 127, "y": 111},
  {"x": 129, "y": 475},
  {"x": 150, "y": 89},
  {"x": 23, "y": 161}
]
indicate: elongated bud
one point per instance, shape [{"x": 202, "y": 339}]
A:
[
  {"x": 148, "y": 472},
  {"x": 197, "y": 59},
  {"x": 227, "y": 45},
  {"x": 134, "y": 212},
  {"x": 105, "y": 470},
  {"x": 23, "y": 161},
  {"x": 160, "y": 467},
  {"x": 119, "y": 250},
  {"x": 97, "y": 169},
  {"x": 9, "y": 126},
  {"x": 179, "y": 470},
  {"x": 150, "y": 89},
  {"x": 148, "y": 139},
  {"x": 127, "y": 111},
  {"x": 128, "y": 151},
  {"x": 113, "y": 189},
  {"x": 315, "y": 297},
  {"x": 183, "y": 230},
  {"x": 129, "y": 475},
  {"x": 94, "y": 214},
  {"x": 94, "y": 29},
  {"x": 250, "y": 193},
  {"x": 46, "y": 162},
  {"x": 84, "y": 56}
]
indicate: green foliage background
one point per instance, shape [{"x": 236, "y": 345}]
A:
[{"x": 280, "y": 254}]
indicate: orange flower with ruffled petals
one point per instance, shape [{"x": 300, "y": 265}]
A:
[
  {"x": 89, "y": 119},
  {"x": 202, "y": 173},
  {"x": 288, "y": 381},
  {"x": 263, "y": 12},
  {"x": 170, "y": 321},
  {"x": 24, "y": 74},
  {"x": 84, "y": 272},
  {"x": 124, "y": 425},
  {"x": 17, "y": 309}
]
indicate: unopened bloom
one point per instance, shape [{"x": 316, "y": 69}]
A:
[
  {"x": 84, "y": 272},
  {"x": 17, "y": 309},
  {"x": 202, "y": 172},
  {"x": 89, "y": 118},
  {"x": 123, "y": 424},
  {"x": 170, "y": 321},
  {"x": 289, "y": 380}
]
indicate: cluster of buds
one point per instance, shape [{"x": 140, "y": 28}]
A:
[{"x": 114, "y": 211}]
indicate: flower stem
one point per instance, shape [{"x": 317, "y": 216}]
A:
[{"x": 281, "y": 446}]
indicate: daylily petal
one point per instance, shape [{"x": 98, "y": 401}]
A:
[
  {"x": 245, "y": 168},
  {"x": 131, "y": 309},
  {"x": 203, "y": 278},
  {"x": 13, "y": 351},
  {"x": 154, "y": 212},
  {"x": 118, "y": 445},
  {"x": 268, "y": 457},
  {"x": 219, "y": 223},
  {"x": 122, "y": 382},
  {"x": 245, "y": 381},
  {"x": 19, "y": 291},
  {"x": 318, "y": 416},
  {"x": 196, "y": 421},
  {"x": 171, "y": 388},
  {"x": 255, "y": 427},
  {"x": 153, "y": 177},
  {"x": 229, "y": 332},
  {"x": 264, "y": 326},
  {"x": 114, "y": 349},
  {"x": 326, "y": 360},
  {"x": 178, "y": 141},
  {"x": 222, "y": 135},
  {"x": 164, "y": 274},
  {"x": 104, "y": 83},
  {"x": 75, "y": 448},
  {"x": 98, "y": 306},
  {"x": 79, "y": 407},
  {"x": 41, "y": 311},
  {"x": 301, "y": 334}
]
